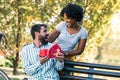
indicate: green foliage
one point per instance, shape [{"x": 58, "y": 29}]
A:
[
  {"x": 5, "y": 63},
  {"x": 97, "y": 22}
]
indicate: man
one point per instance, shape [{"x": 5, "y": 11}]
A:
[{"x": 40, "y": 68}]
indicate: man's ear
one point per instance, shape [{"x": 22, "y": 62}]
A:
[{"x": 37, "y": 33}]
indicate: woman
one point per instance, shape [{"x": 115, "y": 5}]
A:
[{"x": 69, "y": 33}]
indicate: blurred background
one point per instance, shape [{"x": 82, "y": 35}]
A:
[{"x": 101, "y": 19}]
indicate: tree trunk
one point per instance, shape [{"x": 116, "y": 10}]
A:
[
  {"x": 18, "y": 39},
  {"x": 99, "y": 56},
  {"x": 15, "y": 63}
]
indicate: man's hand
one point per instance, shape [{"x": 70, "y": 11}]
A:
[
  {"x": 60, "y": 56},
  {"x": 43, "y": 59}
]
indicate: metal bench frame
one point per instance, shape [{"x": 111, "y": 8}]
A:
[{"x": 92, "y": 69}]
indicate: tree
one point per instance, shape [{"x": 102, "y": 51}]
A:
[{"x": 97, "y": 22}]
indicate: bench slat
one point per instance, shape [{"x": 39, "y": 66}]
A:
[
  {"x": 93, "y": 65},
  {"x": 95, "y": 72},
  {"x": 79, "y": 78}
]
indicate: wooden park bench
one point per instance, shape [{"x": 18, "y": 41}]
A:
[{"x": 90, "y": 69}]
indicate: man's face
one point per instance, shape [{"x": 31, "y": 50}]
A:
[{"x": 43, "y": 35}]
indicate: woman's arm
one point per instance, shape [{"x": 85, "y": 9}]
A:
[
  {"x": 52, "y": 37},
  {"x": 79, "y": 50}
]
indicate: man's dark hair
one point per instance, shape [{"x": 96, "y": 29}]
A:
[
  {"x": 36, "y": 28},
  {"x": 73, "y": 11}
]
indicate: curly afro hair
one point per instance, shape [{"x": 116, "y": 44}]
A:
[{"x": 73, "y": 11}]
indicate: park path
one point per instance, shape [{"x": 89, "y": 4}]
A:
[{"x": 19, "y": 76}]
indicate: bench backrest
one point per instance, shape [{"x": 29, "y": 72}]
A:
[{"x": 92, "y": 69}]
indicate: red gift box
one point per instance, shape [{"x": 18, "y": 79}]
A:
[
  {"x": 43, "y": 52},
  {"x": 55, "y": 48},
  {"x": 51, "y": 52}
]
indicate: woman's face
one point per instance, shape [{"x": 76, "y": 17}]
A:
[{"x": 70, "y": 22}]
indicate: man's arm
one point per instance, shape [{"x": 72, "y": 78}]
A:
[
  {"x": 59, "y": 61},
  {"x": 29, "y": 68}
]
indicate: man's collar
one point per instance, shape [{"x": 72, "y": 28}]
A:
[{"x": 35, "y": 45}]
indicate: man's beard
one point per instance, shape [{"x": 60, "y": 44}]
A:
[{"x": 43, "y": 40}]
